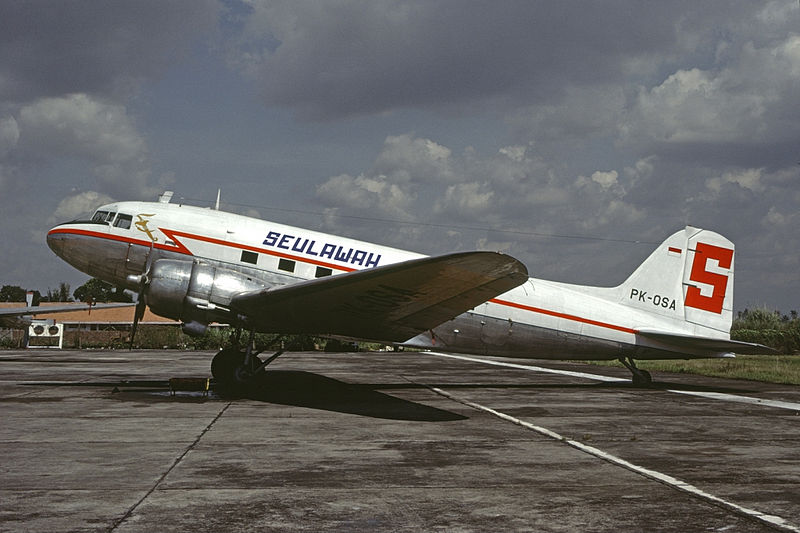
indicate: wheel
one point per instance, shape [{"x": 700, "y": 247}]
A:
[
  {"x": 224, "y": 365},
  {"x": 231, "y": 374},
  {"x": 642, "y": 378}
]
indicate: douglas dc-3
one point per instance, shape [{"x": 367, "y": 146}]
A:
[{"x": 200, "y": 265}]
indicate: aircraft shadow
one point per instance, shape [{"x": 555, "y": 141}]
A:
[
  {"x": 285, "y": 387},
  {"x": 306, "y": 389}
]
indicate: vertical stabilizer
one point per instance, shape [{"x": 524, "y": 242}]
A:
[{"x": 688, "y": 277}]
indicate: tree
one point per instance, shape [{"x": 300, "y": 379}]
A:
[
  {"x": 12, "y": 293},
  {"x": 61, "y": 294},
  {"x": 98, "y": 290}
]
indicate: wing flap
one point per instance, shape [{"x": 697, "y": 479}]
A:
[
  {"x": 389, "y": 303},
  {"x": 706, "y": 343}
]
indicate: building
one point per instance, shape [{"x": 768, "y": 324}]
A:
[{"x": 89, "y": 327}]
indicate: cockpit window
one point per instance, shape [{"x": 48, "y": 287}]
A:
[
  {"x": 101, "y": 217},
  {"x": 123, "y": 221}
]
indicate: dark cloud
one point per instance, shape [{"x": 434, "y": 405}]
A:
[
  {"x": 336, "y": 59},
  {"x": 48, "y": 49}
]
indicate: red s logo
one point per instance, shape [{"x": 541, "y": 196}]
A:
[{"x": 699, "y": 274}]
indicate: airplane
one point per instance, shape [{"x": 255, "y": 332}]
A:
[{"x": 202, "y": 265}]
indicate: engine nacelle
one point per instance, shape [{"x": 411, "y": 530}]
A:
[{"x": 195, "y": 293}]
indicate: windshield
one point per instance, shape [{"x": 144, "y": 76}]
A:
[{"x": 102, "y": 217}]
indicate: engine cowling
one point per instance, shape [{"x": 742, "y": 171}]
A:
[{"x": 195, "y": 293}]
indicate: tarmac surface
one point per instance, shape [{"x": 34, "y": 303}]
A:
[{"x": 94, "y": 441}]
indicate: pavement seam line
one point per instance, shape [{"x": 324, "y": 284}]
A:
[
  {"x": 775, "y": 522},
  {"x": 779, "y": 404},
  {"x": 170, "y": 469}
]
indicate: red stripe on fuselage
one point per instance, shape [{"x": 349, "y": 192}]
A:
[
  {"x": 108, "y": 236},
  {"x": 181, "y": 248},
  {"x": 211, "y": 240},
  {"x": 563, "y": 315}
]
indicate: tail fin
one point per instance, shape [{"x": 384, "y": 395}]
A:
[{"x": 690, "y": 277}]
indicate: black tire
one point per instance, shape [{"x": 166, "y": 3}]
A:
[
  {"x": 224, "y": 365},
  {"x": 642, "y": 378}
]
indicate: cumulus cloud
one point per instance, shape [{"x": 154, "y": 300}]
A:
[
  {"x": 391, "y": 186},
  {"x": 742, "y": 101},
  {"x": 367, "y": 193},
  {"x": 407, "y": 158},
  {"x": 747, "y": 179},
  {"x": 695, "y": 106},
  {"x": 78, "y": 204},
  {"x": 606, "y": 180},
  {"x": 511, "y": 189},
  {"x": 78, "y": 126},
  {"x": 641, "y": 169},
  {"x": 515, "y": 153},
  {"x": 465, "y": 199}
]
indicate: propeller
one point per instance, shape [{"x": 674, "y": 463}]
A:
[{"x": 143, "y": 280}]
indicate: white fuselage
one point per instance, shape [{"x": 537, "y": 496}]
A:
[{"x": 538, "y": 319}]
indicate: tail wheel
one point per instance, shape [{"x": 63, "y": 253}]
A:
[{"x": 642, "y": 378}]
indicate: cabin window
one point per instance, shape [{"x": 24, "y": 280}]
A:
[
  {"x": 123, "y": 221},
  {"x": 249, "y": 257},
  {"x": 322, "y": 272},
  {"x": 286, "y": 265}
]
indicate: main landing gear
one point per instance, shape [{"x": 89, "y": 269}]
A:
[
  {"x": 641, "y": 378},
  {"x": 235, "y": 369}
]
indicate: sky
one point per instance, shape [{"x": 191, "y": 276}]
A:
[{"x": 575, "y": 136}]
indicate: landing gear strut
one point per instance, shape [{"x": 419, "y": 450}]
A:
[
  {"x": 641, "y": 378},
  {"x": 234, "y": 368}
]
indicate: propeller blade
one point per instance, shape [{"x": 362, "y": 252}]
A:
[
  {"x": 138, "y": 313},
  {"x": 141, "y": 300}
]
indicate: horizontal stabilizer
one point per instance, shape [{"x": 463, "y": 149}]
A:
[
  {"x": 705, "y": 343},
  {"x": 389, "y": 303}
]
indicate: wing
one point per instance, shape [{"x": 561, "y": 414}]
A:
[
  {"x": 9, "y": 316},
  {"x": 389, "y": 303},
  {"x": 37, "y": 310},
  {"x": 706, "y": 343}
]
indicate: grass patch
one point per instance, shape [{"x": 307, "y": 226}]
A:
[{"x": 766, "y": 368}]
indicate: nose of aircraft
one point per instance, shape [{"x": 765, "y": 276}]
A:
[
  {"x": 56, "y": 242},
  {"x": 69, "y": 246}
]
